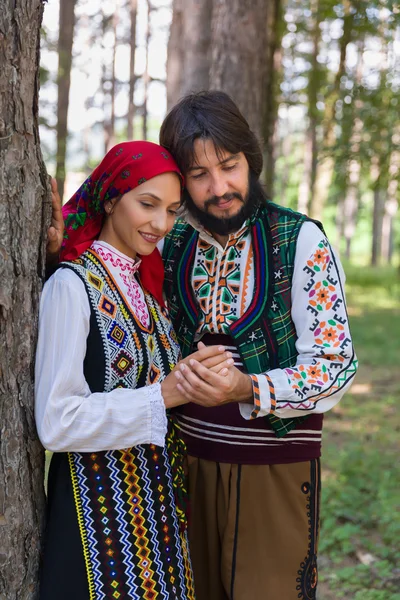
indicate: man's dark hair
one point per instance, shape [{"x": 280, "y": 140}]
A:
[{"x": 209, "y": 115}]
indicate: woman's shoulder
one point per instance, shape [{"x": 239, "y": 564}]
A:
[{"x": 65, "y": 278}]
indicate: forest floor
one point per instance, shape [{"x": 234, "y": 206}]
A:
[{"x": 359, "y": 551}]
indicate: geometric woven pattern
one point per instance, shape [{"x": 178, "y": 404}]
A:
[{"x": 133, "y": 545}]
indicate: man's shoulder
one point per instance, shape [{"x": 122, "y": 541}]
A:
[
  {"x": 275, "y": 212},
  {"x": 272, "y": 208},
  {"x": 180, "y": 228},
  {"x": 177, "y": 238}
]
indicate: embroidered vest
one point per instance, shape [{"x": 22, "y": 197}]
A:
[
  {"x": 125, "y": 499},
  {"x": 265, "y": 334}
]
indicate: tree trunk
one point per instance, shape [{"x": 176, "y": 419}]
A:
[
  {"x": 175, "y": 55},
  {"x": 377, "y": 215},
  {"x": 239, "y": 55},
  {"x": 111, "y": 138},
  {"x": 23, "y": 212},
  {"x": 65, "y": 40},
  {"x": 391, "y": 206},
  {"x": 132, "y": 78},
  {"x": 225, "y": 45},
  {"x": 351, "y": 201},
  {"x": 351, "y": 204},
  {"x": 275, "y": 32},
  {"x": 324, "y": 171},
  {"x": 146, "y": 76},
  {"x": 306, "y": 192},
  {"x": 196, "y": 45},
  {"x": 189, "y": 58}
]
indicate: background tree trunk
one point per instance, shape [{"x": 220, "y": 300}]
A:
[
  {"x": 175, "y": 55},
  {"x": 23, "y": 190},
  {"x": 324, "y": 171},
  {"x": 239, "y": 55},
  {"x": 275, "y": 29},
  {"x": 146, "y": 75},
  {"x": 378, "y": 212},
  {"x": 65, "y": 38},
  {"x": 189, "y": 52},
  {"x": 225, "y": 45},
  {"x": 196, "y": 45},
  {"x": 306, "y": 190},
  {"x": 132, "y": 77}
]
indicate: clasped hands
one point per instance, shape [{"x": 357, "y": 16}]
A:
[{"x": 206, "y": 377}]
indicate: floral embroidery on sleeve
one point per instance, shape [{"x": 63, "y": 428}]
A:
[{"x": 333, "y": 364}]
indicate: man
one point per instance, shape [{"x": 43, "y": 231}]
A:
[{"x": 263, "y": 281}]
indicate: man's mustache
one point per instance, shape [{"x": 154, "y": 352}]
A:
[{"x": 215, "y": 200}]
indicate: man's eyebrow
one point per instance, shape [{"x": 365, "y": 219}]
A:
[{"x": 222, "y": 162}]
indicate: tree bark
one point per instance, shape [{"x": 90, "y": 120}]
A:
[
  {"x": 196, "y": 45},
  {"x": 175, "y": 55},
  {"x": 23, "y": 212},
  {"x": 132, "y": 78},
  {"x": 189, "y": 51},
  {"x": 391, "y": 205},
  {"x": 306, "y": 191},
  {"x": 351, "y": 201},
  {"x": 378, "y": 212},
  {"x": 146, "y": 76},
  {"x": 324, "y": 171},
  {"x": 239, "y": 55},
  {"x": 111, "y": 138},
  {"x": 65, "y": 40},
  {"x": 225, "y": 45},
  {"x": 275, "y": 30}
]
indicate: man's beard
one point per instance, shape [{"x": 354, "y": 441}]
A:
[{"x": 226, "y": 225}]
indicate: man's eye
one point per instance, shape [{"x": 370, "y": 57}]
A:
[
  {"x": 198, "y": 176},
  {"x": 229, "y": 168}
]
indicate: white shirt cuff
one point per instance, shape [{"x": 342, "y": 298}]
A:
[{"x": 159, "y": 423}]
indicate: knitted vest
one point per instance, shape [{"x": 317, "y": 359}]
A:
[{"x": 265, "y": 334}]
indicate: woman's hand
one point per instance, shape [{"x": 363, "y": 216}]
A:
[
  {"x": 212, "y": 358},
  {"x": 55, "y": 232}
]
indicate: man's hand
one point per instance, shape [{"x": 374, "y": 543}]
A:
[
  {"x": 202, "y": 386},
  {"x": 55, "y": 232},
  {"x": 218, "y": 363}
]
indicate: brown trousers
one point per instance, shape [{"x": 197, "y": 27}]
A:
[{"x": 253, "y": 530}]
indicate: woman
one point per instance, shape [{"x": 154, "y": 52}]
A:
[{"x": 106, "y": 351}]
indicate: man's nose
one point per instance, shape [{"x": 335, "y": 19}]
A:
[{"x": 219, "y": 185}]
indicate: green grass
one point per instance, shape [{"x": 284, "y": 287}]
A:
[{"x": 360, "y": 533}]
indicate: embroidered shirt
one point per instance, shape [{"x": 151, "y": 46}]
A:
[
  {"x": 69, "y": 417},
  {"x": 223, "y": 280},
  {"x": 124, "y": 269}
]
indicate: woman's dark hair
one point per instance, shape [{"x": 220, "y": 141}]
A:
[{"x": 209, "y": 115}]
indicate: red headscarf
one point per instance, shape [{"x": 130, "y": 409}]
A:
[{"x": 124, "y": 167}]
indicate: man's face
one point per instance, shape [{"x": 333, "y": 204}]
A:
[{"x": 218, "y": 187}]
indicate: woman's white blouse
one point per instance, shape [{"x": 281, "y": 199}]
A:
[{"x": 69, "y": 417}]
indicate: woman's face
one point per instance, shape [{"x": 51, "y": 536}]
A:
[{"x": 136, "y": 223}]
